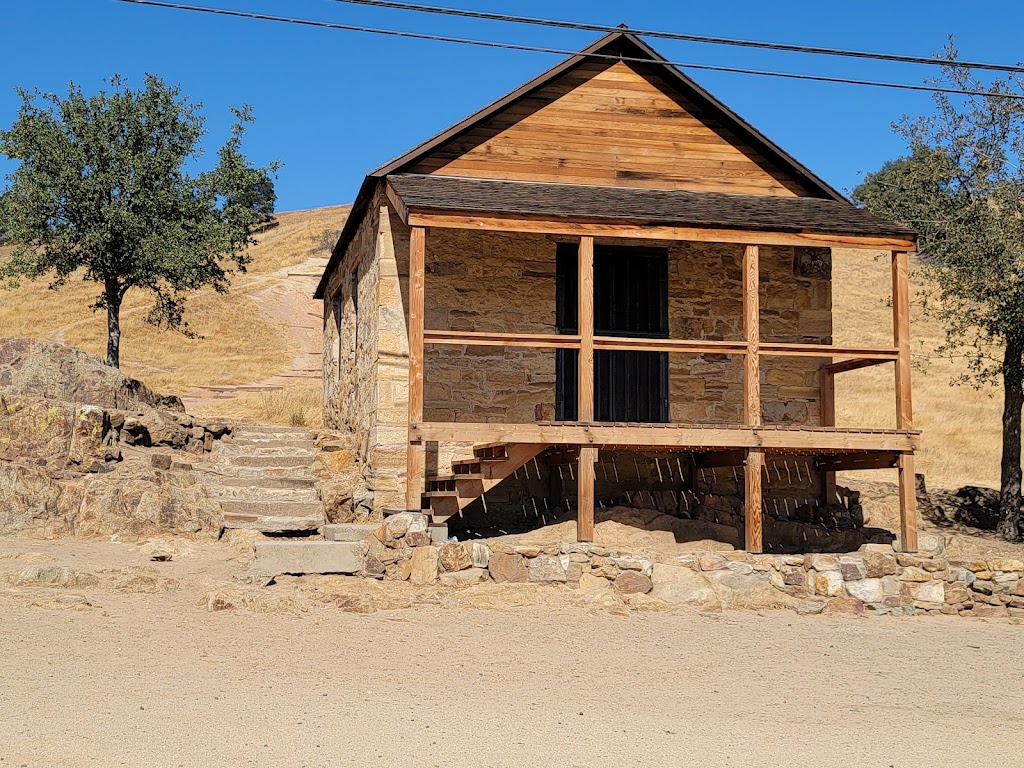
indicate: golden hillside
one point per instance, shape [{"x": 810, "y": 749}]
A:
[{"x": 249, "y": 342}]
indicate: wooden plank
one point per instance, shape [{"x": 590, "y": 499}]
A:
[
  {"x": 640, "y": 230},
  {"x": 415, "y": 458},
  {"x": 752, "y": 334},
  {"x": 850, "y": 461},
  {"x": 396, "y": 202},
  {"x": 799, "y": 439},
  {"x": 585, "y": 324},
  {"x": 586, "y": 477},
  {"x": 753, "y": 525},
  {"x": 901, "y": 338},
  {"x": 694, "y": 346},
  {"x": 873, "y": 354},
  {"x": 908, "y": 503},
  {"x": 484, "y": 339}
]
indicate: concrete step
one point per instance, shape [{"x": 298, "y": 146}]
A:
[
  {"x": 272, "y": 516},
  {"x": 349, "y": 531},
  {"x": 298, "y": 557},
  {"x": 246, "y": 460}
]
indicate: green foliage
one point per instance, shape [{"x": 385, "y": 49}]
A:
[
  {"x": 962, "y": 188},
  {"x": 103, "y": 187}
]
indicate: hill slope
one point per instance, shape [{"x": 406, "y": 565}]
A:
[{"x": 256, "y": 354}]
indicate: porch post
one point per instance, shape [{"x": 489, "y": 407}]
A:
[
  {"x": 752, "y": 395},
  {"x": 415, "y": 454},
  {"x": 904, "y": 406},
  {"x": 828, "y": 419},
  {"x": 585, "y": 386}
]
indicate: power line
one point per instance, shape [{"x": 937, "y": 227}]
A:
[
  {"x": 560, "y": 51},
  {"x": 790, "y": 47}
]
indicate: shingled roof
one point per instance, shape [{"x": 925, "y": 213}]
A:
[{"x": 656, "y": 206}]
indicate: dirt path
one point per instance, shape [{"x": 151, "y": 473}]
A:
[{"x": 158, "y": 680}]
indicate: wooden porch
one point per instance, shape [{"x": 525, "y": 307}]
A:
[{"x": 504, "y": 447}]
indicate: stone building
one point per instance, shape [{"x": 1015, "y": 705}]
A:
[{"x": 605, "y": 288}]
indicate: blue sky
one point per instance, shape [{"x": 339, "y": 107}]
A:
[{"x": 332, "y": 105}]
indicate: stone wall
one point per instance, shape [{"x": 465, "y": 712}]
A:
[
  {"x": 506, "y": 282},
  {"x": 874, "y": 580}
]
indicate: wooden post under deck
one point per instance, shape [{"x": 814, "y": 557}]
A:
[
  {"x": 828, "y": 419},
  {"x": 415, "y": 452},
  {"x": 904, "y": 405},
  {"x": 752, "y": 394},
  {"x": 585, "y": 386}
]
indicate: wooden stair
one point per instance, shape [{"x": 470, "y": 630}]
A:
[{"x": 473, "y": 476}]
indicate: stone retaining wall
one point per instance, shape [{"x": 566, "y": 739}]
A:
[{"x": 875, "y": 579}]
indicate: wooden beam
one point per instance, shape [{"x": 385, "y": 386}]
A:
[
  {"x": 752, "y": 501},
  {"x": 848, "y": 461},
  {"x": 876, "y": 354},
  {"x": 694, "y": 346},
  {"x": 645, "y": 230},
  {"x": 415, "y": 458},
  {"x": 752, "y": 335},
  {"x": 585, "y": 324},
  {"x": 827, "y": 403},
  {"x": 728, "y": 458},
  {"x": 397, "y": 203},
  {"x": 479, "y": 339},
  {"x": 818, "y": 440},
  {"x": 908, "y": 502},
  {"x": 586, "y": 478},
  {"x": 853, "y": 365},
  {"x": 901, "y": 337}
]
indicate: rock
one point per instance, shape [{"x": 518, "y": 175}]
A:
[
  {"x": 218, "y": 429},
  {"x": 878, "y": 564},
  {"x": 1005, "y": 564},
  {"x": 632, "y": 563},
  {"x": 929, "y": 592},
  {"x": 711, "y": 561},
  {"x": 956, "y": 593},
  {"x": 163, "y": 429},
  {"x": 794, "y": 577},
  {"x": 829, "y": 583},
  {"x": 751, "y": 592},
  {"x": 865, "y": 590},
  {"x": 822, "y": 562},
  {"x": 633, "y": 582},
  {"x": 60, "y": 372},
  {"x": 545, "y": 568},
  {"x": 914, "y": 574},
  {"x": 809, "y": 607},
  {"x": 852, "y": 568},
  {"x": 161, "y": 461},
  {"x": 424, "y": 565},
  {"x": 505, "y": 567},
  {"x": 989, "y": 611},
  {"x": 463, "y": 578},
  {"x": 844, "y": 605},
  {"x": 54, "y": 576},
  {"x": 679, "y": 585},
  {"x": 932, "y": 543},
  {"x": 481, "y": 554},
  {"x": 456, "y": 555},
  {"x": 603, "y": 567},
  {"x": 589, "y": 582}
]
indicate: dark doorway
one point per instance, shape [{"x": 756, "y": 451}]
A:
[{"x": 630, "y": 299}]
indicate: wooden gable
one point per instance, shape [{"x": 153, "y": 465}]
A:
[{"x": 614, "y": 123}]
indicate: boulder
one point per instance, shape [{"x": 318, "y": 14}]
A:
[
  {"x": 456, "y": 555},
  {"x": 865, "y": 590},
  {"x": 679, "y": 585},
  {"x": 463, "y": 578},
  {"x": 752, "y": 591},
  {"x": 424, "y": 565},
  {"x": 54, "y": 371},
  {"x": 632, "y": 582},
  {"x": 508, "y": 567},
  {"x": 545, "y": 568}
]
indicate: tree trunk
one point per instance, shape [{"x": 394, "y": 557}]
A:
[
  {"x": 113, "y": 301},
  {"x": 1010, "y": 468}
]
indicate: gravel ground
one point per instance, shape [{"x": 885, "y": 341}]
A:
[{"x": 157, "y": 679}]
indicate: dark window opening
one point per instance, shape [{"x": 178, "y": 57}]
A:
[{"x": 630, "y": 299}]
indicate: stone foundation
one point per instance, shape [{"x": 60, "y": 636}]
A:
[{"x": 874, "y": 580}]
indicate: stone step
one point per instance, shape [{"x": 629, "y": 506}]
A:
[
  {"x": 272, "y": 516},
  {"x": 271, "y": 442},
  {"x": 243, "y": 493},
  {"x": 297, "y": 557},
  {"x": 246, "y": 460},
  {"x": 264, "y": 430},
  {"x": 349, "y": 531},
  {"x": 274, "y": 483},
  {"x": 260, "y": 450}
]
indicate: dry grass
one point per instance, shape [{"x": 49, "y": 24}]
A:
[
  {"x": 299, "y": 405},
  {"x": 960, "y": 425},
  {"x": 235, "y": 344}
]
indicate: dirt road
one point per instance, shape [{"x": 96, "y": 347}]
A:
[{"x": 159, "y": 680}]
